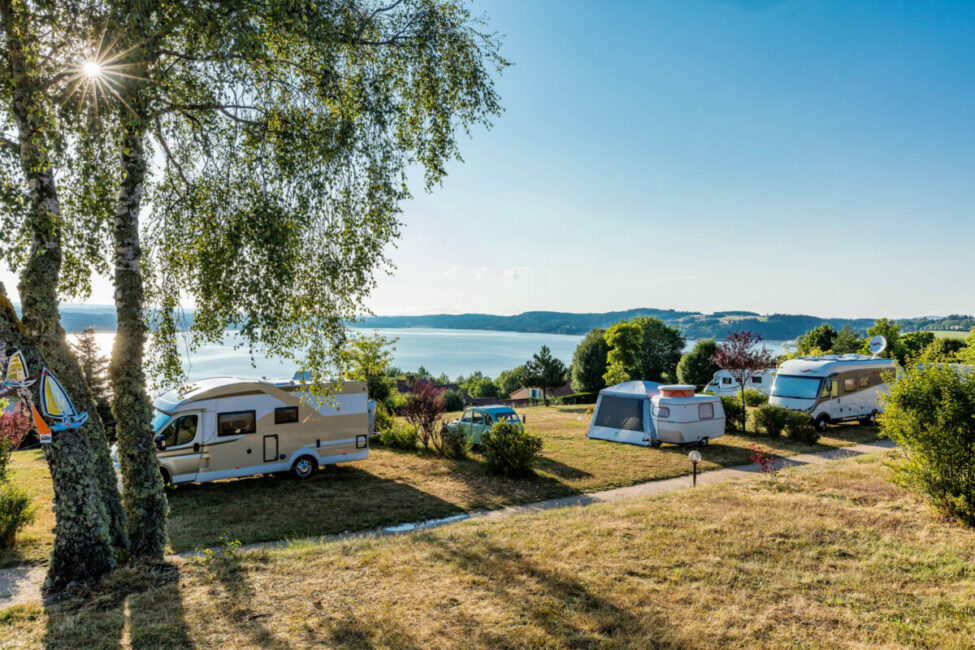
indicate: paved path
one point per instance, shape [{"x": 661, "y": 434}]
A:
[{"x": 22, "y": 584}]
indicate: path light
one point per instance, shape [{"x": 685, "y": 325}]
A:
[{"x": 695, "y": 457}]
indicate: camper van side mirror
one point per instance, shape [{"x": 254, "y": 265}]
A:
[{"x": 161, "y": 442}]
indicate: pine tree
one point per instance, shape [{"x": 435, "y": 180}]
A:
[{"x": 94, "y": 367}]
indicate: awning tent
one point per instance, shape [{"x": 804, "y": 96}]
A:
[{"x": 622, "y": 413}]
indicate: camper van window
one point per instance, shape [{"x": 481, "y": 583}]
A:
[
  {"x": 620, "y": 413},
  {"x": 849, "y": 385},
  {"x": 705, "y": 411},
  {"x": 231, "y": 424},
  {"x": 158, "y": 420},
  {"x": 663, "y": 411},
  {"x": 285, "y": 414},
  {"x": 795, "y": 386},
  {"x": 726, "y": 380},
  {"x": 864, "y": 381},
  {"x": 756, "y": 380},
  {"x": 181, "y": 431}
]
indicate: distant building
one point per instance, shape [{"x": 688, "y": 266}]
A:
[{"x": 526, "y": 393}]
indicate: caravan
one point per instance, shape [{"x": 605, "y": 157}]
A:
[
  {"x": 833, "y": 388},
  {"x": 228, "y": 427},
  {"x": 724, "y": 382},
  {"x": 649, "y": 414}
]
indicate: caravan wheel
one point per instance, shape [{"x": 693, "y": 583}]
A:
[
  {"x": 703, "y": 442},
  {"x": 304, "y": 467}
]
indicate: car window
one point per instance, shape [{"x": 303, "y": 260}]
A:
[
  {"x": 466, "y": 417},
  {"x": 181, "y": 431},
  {"x": 478, "y": 417}
]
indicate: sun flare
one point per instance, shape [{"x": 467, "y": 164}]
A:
[{"x": 91, "y": 69}]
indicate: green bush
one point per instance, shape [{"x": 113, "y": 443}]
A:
[
  {"x": 755, "y": 397},
  {"x": 16, "y": 511},
  {"x": 454, "y": 400},
  {"x": 771, "y": 419},
  {"x": 800, "y": 426},
  {"x": 384, "y": 421},
  {"x": 577, "y": 398},
  {"x": 395, "y": 402},
  {"x": 732, "y": 412},
  {"x": 510, "y": 450},
  {"x": 930, "y": 414},
  {"x": 455, "y": 442},
  {"x": 399, "y": 436}
]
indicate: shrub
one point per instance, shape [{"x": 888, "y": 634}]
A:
[
  {"x": 454, "y": 400},
  {"x": 399, "y": 436},
  {"x": 577, "y": 398},
  {"x": 755, "y": 397},
  {"x": 510, "y": 450},
  {"x": 930, "y": 414},
  {"x": 424, "y": 410},
  {"x": 16, "y": 512},
  {"x": 800, "y": 426},
  {"x": 384, "y": 420},
  {"x": 732, "y": 412},
  {"x": 771, "y": 419},
  {"x": 455, "y": 443}
]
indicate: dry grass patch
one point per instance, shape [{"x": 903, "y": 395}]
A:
[
  {"x": 394, "y": 487},
  {"x": 826, "y": 556}
]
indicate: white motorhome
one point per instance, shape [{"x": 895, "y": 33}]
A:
[
  {"x": 725, "y": 383},
  {"x": 648, "y": 414},
  {"x": 227, "y": 427},
  {"x": 833, "y": 388}
]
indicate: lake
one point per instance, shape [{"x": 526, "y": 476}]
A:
[{"x": 454, "y": 352}]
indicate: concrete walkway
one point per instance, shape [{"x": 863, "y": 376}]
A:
[{"x": 22, "y": 584}]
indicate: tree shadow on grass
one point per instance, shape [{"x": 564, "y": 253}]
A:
[
  {"x": 560, "y": 470},
  {"x": 558, "y": 602},
  {"x": 97, "y": 618}
]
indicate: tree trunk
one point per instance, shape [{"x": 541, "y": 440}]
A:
[
  {"x": 77, "y": 457},
  {"x": 145, "y": 501},
  {"x": 744, "y": 412},
  {"x": 82, "y": 543}
]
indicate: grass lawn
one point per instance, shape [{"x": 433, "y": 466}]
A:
[
  {"x": 393, "y": 487},
  {"x": 831, "y": 555},
  {"x": 949, "y": 334}
]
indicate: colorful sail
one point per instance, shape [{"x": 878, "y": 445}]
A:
[
  {"x": 17, "y": 368},
  {"x": 56, "y": 404}
]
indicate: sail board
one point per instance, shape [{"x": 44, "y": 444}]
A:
[
  {"x": 17, "y": 368},
  {"x": 56, "y": 404}
]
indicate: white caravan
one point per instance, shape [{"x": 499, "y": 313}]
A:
[
  {"x": 227, "y": 427},
  {"x": 725, "y": 383},
  {"x": 833, "y": 388},
  {"x": 648, "y": 414}
]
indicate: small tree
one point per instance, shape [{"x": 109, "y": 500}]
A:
[
  {"x": 696, "y": 367},
  {"x": 892, "y": 332},
  {"x": 660, "y": 349},
  {"x": 589, "y": 362},
  {"x": 368, "y": 359},
  {"x": 930, "y": 414},
  {"x": 821, "y": 337},
  {"x": 847, "y": 341},
  {"x": 739, "y": 355},
  {"x": 544, "y": 371},
  {"x": 424, "y": 409},
  {"x": 623, "y": 340},
  {"x": 94, "y": 367},
  {"x": 510, "y": 380}
]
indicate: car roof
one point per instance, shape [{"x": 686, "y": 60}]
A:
[{"x": 495, "y": 409}]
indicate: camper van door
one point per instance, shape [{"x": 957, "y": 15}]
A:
[{"x": 183, "y": 446}]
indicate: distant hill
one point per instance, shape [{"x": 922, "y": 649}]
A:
[{"x": 695, "y": 325}]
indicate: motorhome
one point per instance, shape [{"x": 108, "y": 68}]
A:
[
  {"x": 725, "y": 383},
  {"x": 228, "y": 427},
  {"x": 649, "y": 414},
  {"x": 834, "y": 388}
]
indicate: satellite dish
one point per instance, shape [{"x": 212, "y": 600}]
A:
[{"x": 877, "y": 345}]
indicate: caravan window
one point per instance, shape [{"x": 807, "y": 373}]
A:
[
  {"x": 726, "y": 380},
  {"x": 236, "y": 422},
  {"x": 849, "y": 385},
  {"x": 285, "y": 414},
  {"x": 663, "y": 411},
  {"x": 705, "y": 411},
  {"x": 756, "y": 380},
  {"x": 181, "y": 431},
  {"x": 620, "y": 413},
  {"x": 864, "y": 381}
]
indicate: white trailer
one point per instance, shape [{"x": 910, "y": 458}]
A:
[
  {"x": 834, "y": 388},
  {"x": 724, "y": 383},
  {"x": 227, "y": 427}
]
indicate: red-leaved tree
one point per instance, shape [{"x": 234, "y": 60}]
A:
[
  {"x": 424, "y": 409},
  {"x": 740, "y": 355},
  {"x": 15, "y": 424}
]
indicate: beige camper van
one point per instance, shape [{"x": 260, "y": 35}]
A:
[{"x": 227, "y": 427}]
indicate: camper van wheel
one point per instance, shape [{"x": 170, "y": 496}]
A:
[
  {"x": 703, "y": 442},
  {"x": 870, "y": 420},
  {"x": 304, "y": 467},
  {"x": 822, "y": 422},
  {"x": 166, "y": 480}
]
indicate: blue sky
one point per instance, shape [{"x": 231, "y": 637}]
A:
[{"x": 814, "y": 157}]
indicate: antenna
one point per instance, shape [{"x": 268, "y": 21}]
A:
[{"x": 877, "y": 345}]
